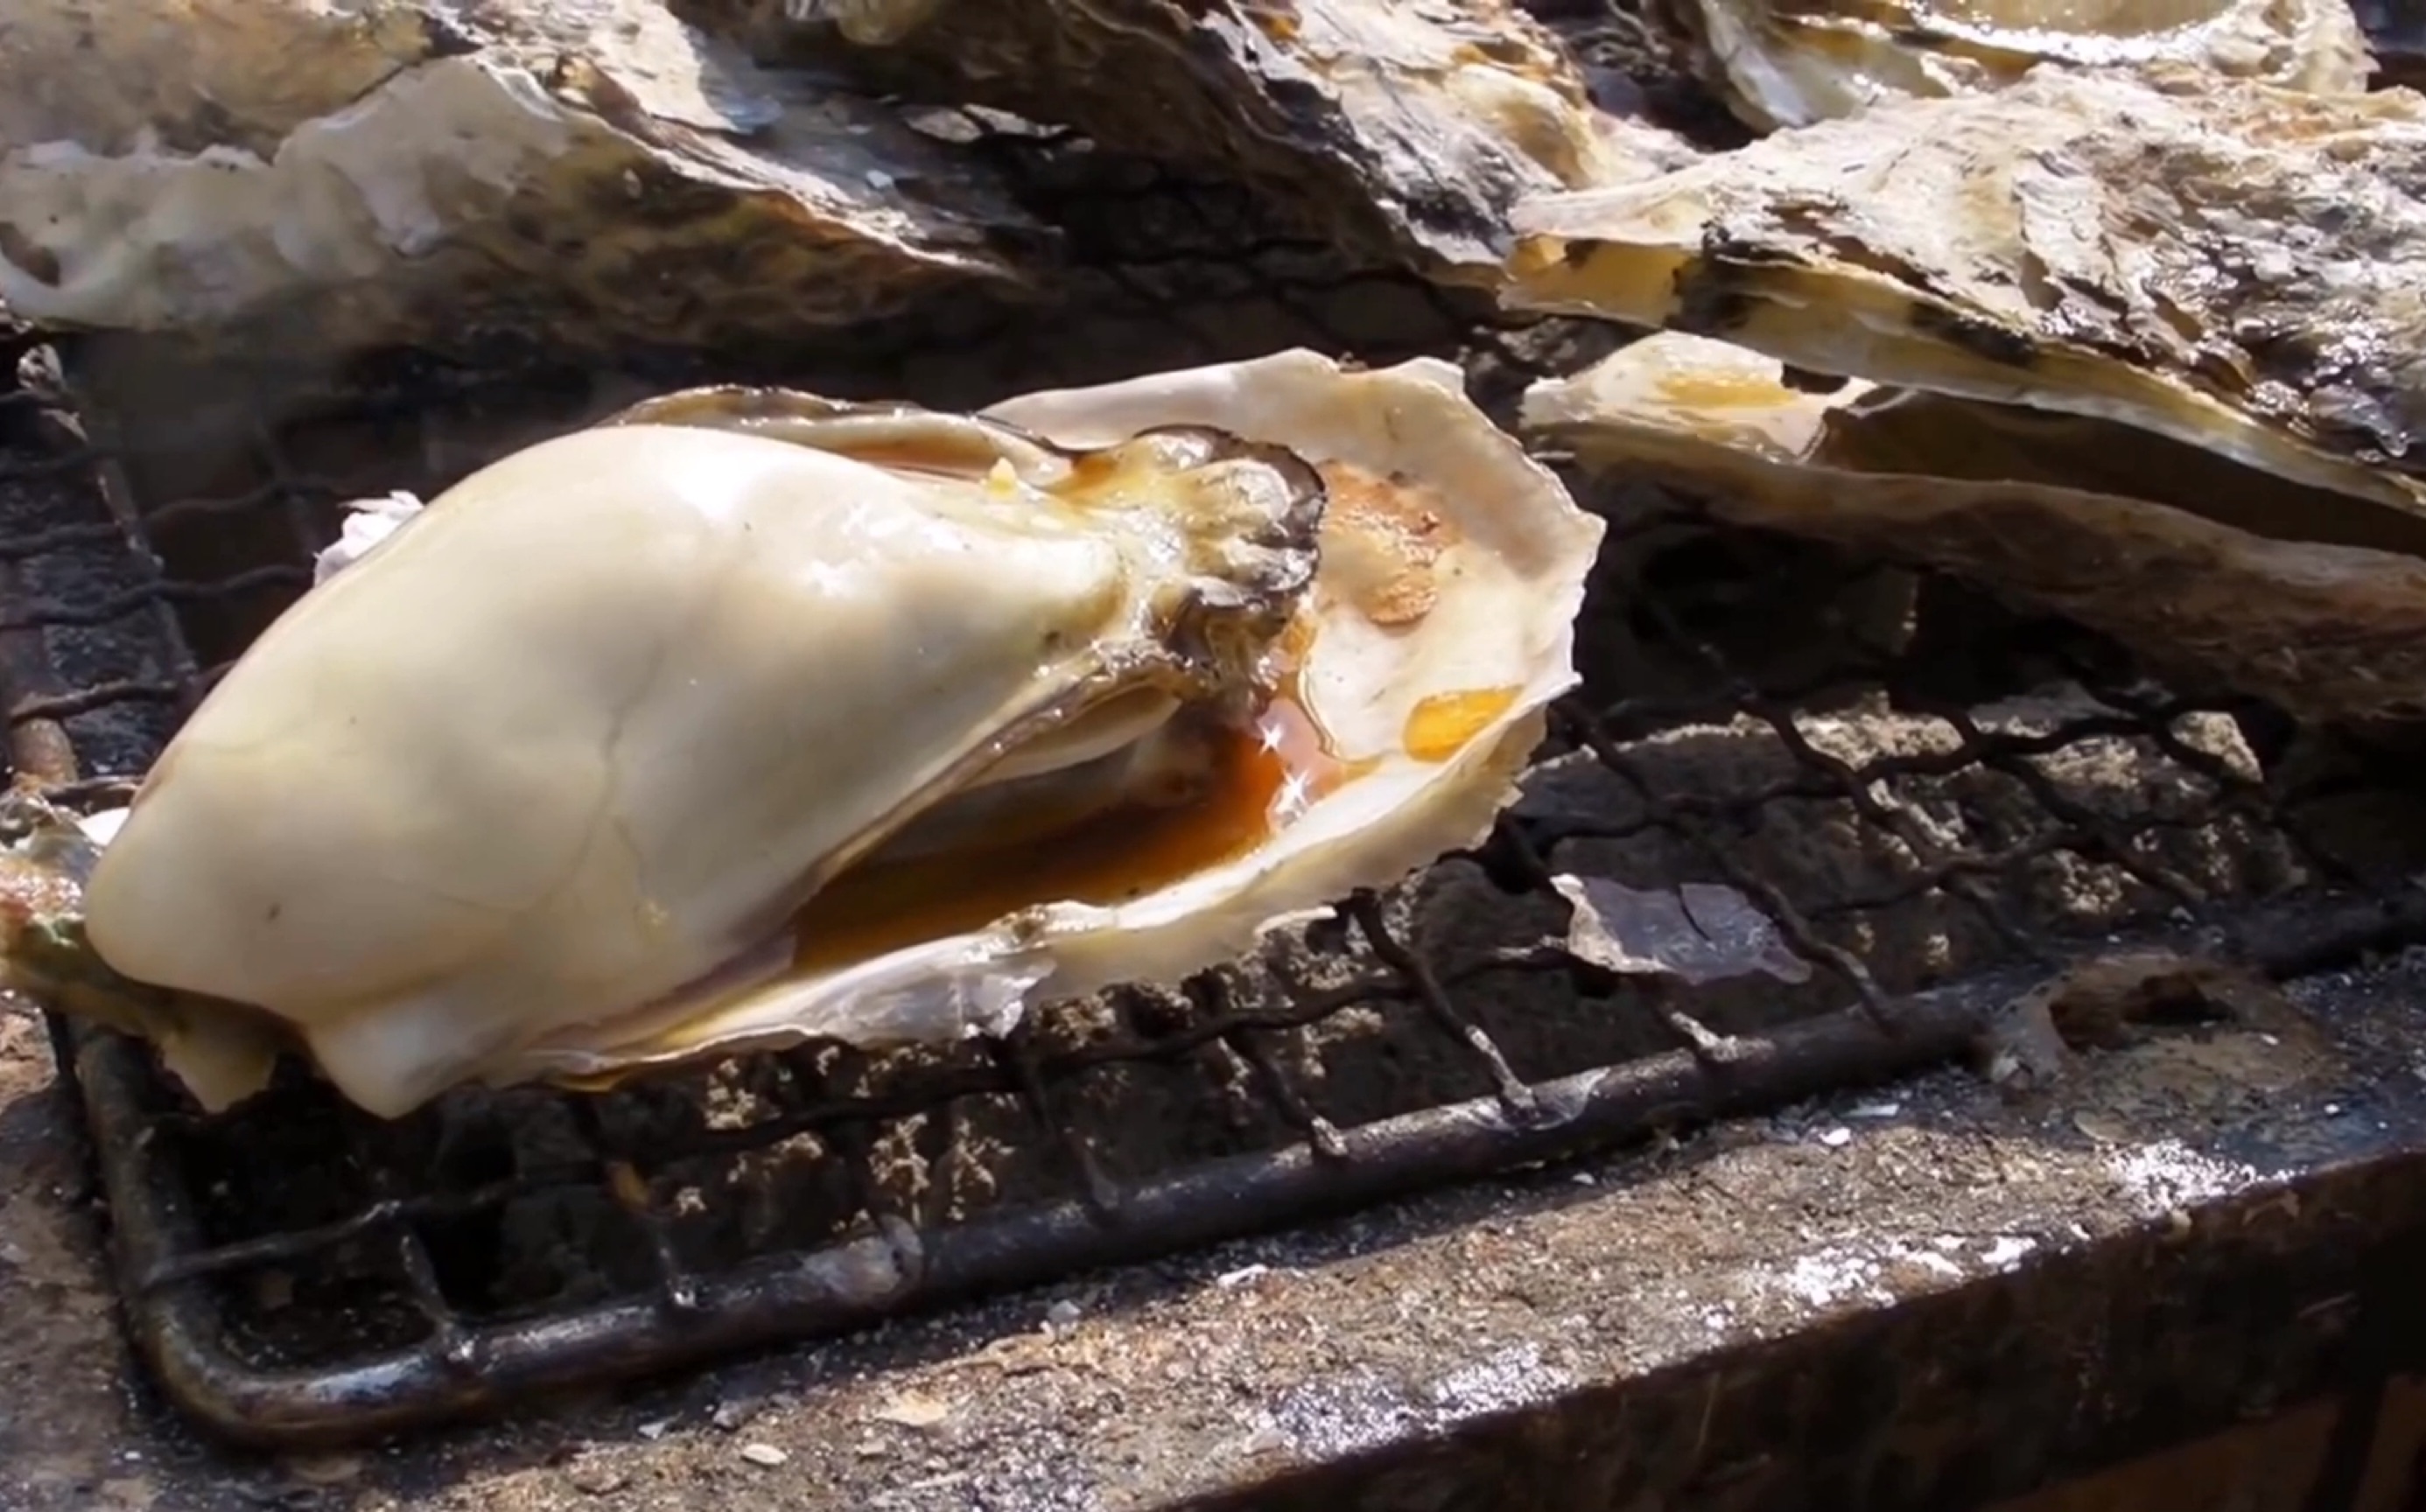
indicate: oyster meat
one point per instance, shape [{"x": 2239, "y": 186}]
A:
[
  {"x": 1404, "y": 130},
  {"x": 1781, "y": 63},
  {"x": 748, "y": 716},
  {"x": 2233, "y": 267},
  {"x": 317, "y": 176},
  {"x": 2217, "y": 574}
]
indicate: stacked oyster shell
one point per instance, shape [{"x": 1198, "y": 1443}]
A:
[
  {"x": 2137, "y": 345},
  {"x": 713, "y": 174},
  {"x": 324, "y": 177}
]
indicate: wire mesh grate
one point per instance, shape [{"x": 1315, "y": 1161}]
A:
[{"x": 1931, "y": 801}]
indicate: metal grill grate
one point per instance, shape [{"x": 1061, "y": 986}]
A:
[{"x": 1934, "y": 801}]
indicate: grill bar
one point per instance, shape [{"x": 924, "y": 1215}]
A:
[
  {"x": 885, "y": 1272},
  {"x": 874, "y": 1278}
]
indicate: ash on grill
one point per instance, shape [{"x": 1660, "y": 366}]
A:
[{"x": 1933, "y": 801}]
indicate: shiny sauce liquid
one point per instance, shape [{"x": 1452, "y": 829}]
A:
[{"x": 1261, "y": 778}]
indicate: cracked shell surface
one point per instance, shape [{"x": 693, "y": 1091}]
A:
[
  {"x": 2213, "y": 573},
  {"x": 1384, "y": 725},
  {"x": 1780, "y": 63},
  {"x": 307, "y": 174},
  {"x": 1407, "y": 126},
  {"x": 2237, "y": 267}
]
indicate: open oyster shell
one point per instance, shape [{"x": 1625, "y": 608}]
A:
[
  {"x": 2215, "y": 574},
  {"x": 1781, "y": 63},
  {"x": 2225, "y": 264},
  {"x": 1400, "y": 128},
  {"x": 321, "y": 176},
  {"x": 587, "y": 799}
]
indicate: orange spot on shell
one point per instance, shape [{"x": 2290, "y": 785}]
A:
[
  {"x": 1259, "y": 778},
  {"x": 1441, "y": 726}
]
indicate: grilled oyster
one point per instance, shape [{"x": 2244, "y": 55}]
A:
[
  {"x": 409, "y": 170},
  {"x": 2215, "y": 573},
  {"x": 2228, "y": 265},
  {"x": 1781, "y": 63},
  {"x": 1403, "y": 130},
  {"x": 748, "y": 716}
]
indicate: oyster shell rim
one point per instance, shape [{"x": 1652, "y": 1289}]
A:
[
  {"x": 2329, "y": 51},
  {"x": 1460, "y": 796},
  {"x": 1732, "y": 248}
]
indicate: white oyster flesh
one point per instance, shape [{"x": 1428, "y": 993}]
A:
[{"x": 589, "y": 730}]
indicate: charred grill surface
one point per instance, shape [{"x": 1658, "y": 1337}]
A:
[{"x": 1932, "y": 803}]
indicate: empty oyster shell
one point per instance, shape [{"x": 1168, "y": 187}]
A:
[
  {"x": 1780, "y": 63},
  {"x": 601, "y": 171},
  {"x": 2225, "y": 264},
  {"x": 749, "y": 718},
  {"x": 2213, "y": 573},
  {"x": 1400, "y": 128}
]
